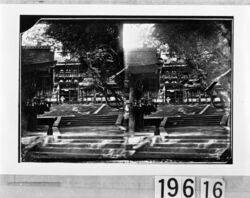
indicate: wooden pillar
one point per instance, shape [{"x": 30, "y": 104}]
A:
[{"x": 139, "y": 120}]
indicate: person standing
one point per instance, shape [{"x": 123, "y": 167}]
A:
[{"x": 62, "y": 99}]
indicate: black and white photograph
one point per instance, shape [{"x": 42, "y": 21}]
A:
[
  {"x": 116, "y": 99},
  {"x": 126, "y": 89}
]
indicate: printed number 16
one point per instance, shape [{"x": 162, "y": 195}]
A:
[{"x": 212, "y": 188}]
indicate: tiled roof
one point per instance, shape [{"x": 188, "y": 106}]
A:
[
  {"x": 36, "y": 47},
  {"x": 60, "y": 57},
  {"x": 36, "y": 55},
  {"x": 144, "y": 69},
  {"x": 140, "y": 57}
]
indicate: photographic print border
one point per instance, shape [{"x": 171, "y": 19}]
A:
[{"x": 129, "y": 19}]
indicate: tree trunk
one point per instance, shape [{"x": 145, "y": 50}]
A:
[
  {"x": 139, "y": 121},
  {"x": 131, "y": 126}
]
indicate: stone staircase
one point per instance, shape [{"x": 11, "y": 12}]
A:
[
  {"x": 83, "y": 144},
  {"x": 88, "y": 120},
  {"x": 95, "y": 138},
  {"x": 194, "y": 120},
  {"x": 187, "y": 144},
  {"x": 205, "y": 144}
]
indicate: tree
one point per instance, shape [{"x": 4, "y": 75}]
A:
[
  {"x": 204, "y": 44},
  {"x": 98, "y": 45},
  {"x": 36, "y": 36}
]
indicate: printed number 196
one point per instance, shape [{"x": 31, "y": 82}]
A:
[{"x": 174, "y": 187}]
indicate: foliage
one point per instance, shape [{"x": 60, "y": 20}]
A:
[
  {"x": 204, "y": 44},
  {"x": 98, "y": 46},
  {"x": 36, "y": 36}
]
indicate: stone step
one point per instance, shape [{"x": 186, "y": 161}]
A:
[
  {"x": 101, "y": 141},
  {"x": 87, "y": 128},
  {"x": 88, "y": 120},
  {"x": 180, "y": 150},
  {"x": 76, "y": 150},
  {"x": 86, "y": 145},
  {"x": 106, "y": 151},
  {"x": 97, "y": 154},
  {"x": 166, "y": 137},
  {"x": 198, "y": 134},
  {"x": 112, "y": 137},
  {"x": 84, "y": 133},
  {"x": 197, "y": 117},
  {"x": 174, "y": 156},
  {"x": 185, "y": 124},
  {"x": 194, "y": 120},
  {"x": 66, "y": 157},
  {"x": 91, "y": 115},
  {"x": 210, "y": 137},
  {"x": 192, "y": 130},
  {"x": 87, "y": 124},
  {"x": 118, "y": 145},
  {"x": 191, "y": 145},
  {"x": 198, "y": 141},
  {"x": 203, "y": 130}
]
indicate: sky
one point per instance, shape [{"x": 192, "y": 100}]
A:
[
  {"x": 134, "y": 36},
  {"x": 137, "y": 35}
]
